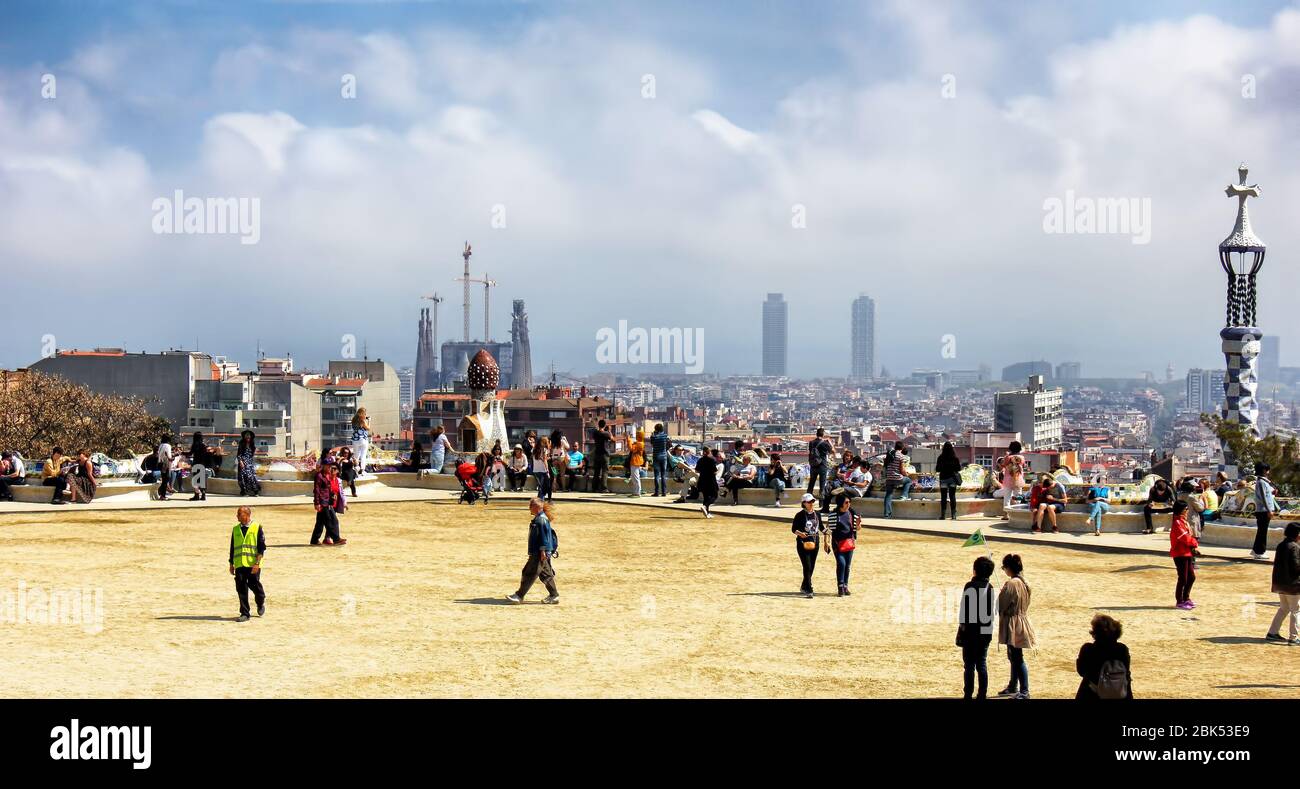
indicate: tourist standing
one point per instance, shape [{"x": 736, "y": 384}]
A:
[
  {"x": 844, "y": 540},
  {"x": 542, "y": 469},
  {"x": 247, "y": 546},
  {"x": 246, "y": 465},
  {"x": 896, "y": 477},
  {"x": 348, "y": 469},
  {"x": 1105, "y": 668},
  {"x": 164, "y": 455},
  {"x": 1183, "y": 547},
  {"x": 361, "y": 439},
  {"x": 707, "y": 483},
  {"x": 807, "y": 528},
  {"x": 601, "y": 440},
  {"x": 325, "y": 496},
  {"x": 659, "y": 459},
  {"x": 1265, "y": 506},
  {"x": 1014, "y": 627},
  {"x": 1159, "y": 500},
  {"x": 542, "y": 545},
  {"x": 636, "y": 461},
  {"x": 819, "y": 454},
  {"x": 1286, "y": 583},
  {"x": 975, "y": 628},
  {"x": 1012, "y": 467},
  {"x": 948, "y": 468},
  {"x": 82, "y": 482}
]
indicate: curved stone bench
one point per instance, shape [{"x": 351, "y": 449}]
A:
[
  {"x": 1123, "y": 518},
  {"x": 221, "y": 486},
  {"x": 40, "y": 494}
]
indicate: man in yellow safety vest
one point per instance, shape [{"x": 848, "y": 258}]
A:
[{"x": 247, "y": 545}]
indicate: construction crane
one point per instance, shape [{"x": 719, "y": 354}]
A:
[
  {"x": 467, "y": 281},
  {"x": 487, "y": 284}
]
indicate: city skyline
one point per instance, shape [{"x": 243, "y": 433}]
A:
[{"x": 365, "y": 201}]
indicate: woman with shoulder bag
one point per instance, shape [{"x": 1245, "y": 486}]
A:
[
  {"x": 844, "y": 540},
  {"x": 807, "y": 528}
]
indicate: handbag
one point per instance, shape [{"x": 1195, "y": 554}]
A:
[
  {"x": 809, "y": 545},
  {"x": 846, "y": 545}
]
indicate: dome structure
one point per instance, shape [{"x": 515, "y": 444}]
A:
[{"x": 483, "y": 371}]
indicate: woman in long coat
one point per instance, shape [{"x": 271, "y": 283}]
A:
[{"x": 1014, "y": 627}]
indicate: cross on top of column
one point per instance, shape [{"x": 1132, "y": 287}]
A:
[{"x": 1243, "y": 238}]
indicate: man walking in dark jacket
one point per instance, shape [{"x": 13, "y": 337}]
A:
[
  {"x": 1286, "y": 582},
  {"x": 542, "y": 545}
]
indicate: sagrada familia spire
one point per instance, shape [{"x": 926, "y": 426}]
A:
[
  {"x": 521, "y": 365},
  {"x": 426, "y": 356}
]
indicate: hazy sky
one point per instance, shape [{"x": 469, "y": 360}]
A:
[{"x": 917, "y": 141}]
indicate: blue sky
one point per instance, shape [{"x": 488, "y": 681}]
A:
[{"x": 670, "y": 211}]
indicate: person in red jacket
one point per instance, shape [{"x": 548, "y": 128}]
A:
[{"x": 1183, "y": 547}]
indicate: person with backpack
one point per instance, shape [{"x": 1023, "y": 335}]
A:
[
  {"x": 1184, "y": 548},
  {"x": 819, "y": 454},
  {"x": 844, "y": 540},
  {"x": 1014, "y": 627},
  {"x": 975, "y": 628},
  {"x": 1104, "y": 665},
  {"x": 543, "y": 544},
  {"x": 1265, "y": 506},
  {"x": 1286, "y": 583},
  {"x": 1098, "y": 505}
]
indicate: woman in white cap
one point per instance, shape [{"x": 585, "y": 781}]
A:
[{"x": 807, "y": 528}]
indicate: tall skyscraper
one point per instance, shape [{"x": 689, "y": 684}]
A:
[
  {"x": 1269, "y": 363},
  {"x": 1205, "y": 390},
  {"x": 1035, "y": 412},
  {"x": 863, "y": 333},
  {"x": 775, "y": 334},
  {"x": 1069, "y": 371}
]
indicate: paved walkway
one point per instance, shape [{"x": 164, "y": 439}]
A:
[{"x": 994, "y": 529}]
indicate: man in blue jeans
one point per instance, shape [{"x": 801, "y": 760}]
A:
[
  {"x": 819, "y": 454},
  {"x": 659, "y": 459}
]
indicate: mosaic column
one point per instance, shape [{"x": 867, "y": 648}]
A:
[{"x": 1240, "y": 335}]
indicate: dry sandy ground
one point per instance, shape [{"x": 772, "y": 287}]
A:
[{"x": 653, "y": 605}]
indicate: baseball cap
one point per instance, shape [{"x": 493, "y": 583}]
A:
[{"x": 808, "y": 497}]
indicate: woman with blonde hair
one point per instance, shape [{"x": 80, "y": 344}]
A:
[
  {"x": 361, "y": 439},
  {"x": 542, "y": 545}
]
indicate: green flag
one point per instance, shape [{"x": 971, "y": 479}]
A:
[{"x": 975, "y": 539}]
